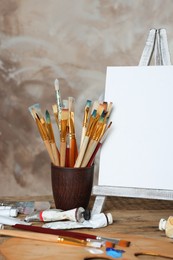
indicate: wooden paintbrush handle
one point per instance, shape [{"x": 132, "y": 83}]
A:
[
  {"x": 55, "y": 154},
  {"x": 62, "y": 154},
  {"x": 42, "y": 237},
  {"x": 49, "y": 149},
  {"x": 90, "y": 150},
  {"x": 82, "y": 152},
  {"x": 72, "y": 152}
]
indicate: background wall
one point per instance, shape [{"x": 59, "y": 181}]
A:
[{"x": 73, "y": 41}]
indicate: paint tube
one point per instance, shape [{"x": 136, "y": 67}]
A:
[
  {"x": 9, "y": 212},
  {"x": 167, "y": 226},
  {"x": 96, "y": 221},
  {"x": 5, "y": 207},
  {"x": 76, "y": 214},
  {"x": 10, "y": 221},
  {"x": 28, "y": 207}
]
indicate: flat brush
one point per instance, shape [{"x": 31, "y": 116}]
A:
[
  {"x": 42, "y": 132},
  {"x": 85, "y": 120},
  {"x": 84, "y": 236},
  {"x": 92, "y": 121},
  {"x": 73, "y": 151},
  {"x": 49, "y": 238},
  {"x": 63, "y": 137},
  {"x": 99, "y": 145},
  {"x": 59, "y": 104},
  {"x": 52, "y": 139}
]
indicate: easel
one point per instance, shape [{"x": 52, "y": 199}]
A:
[{"x": 156, "y": 44}]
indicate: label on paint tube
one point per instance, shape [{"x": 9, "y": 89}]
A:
[
  {"x": 57, "y": 214},
  {"x": 96, "y": 221},
  {"x": 9, "y": 212}
]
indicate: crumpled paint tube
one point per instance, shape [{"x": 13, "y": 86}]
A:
[
  {"x": 76, "y": 214},
  {"x": 96, "y": 221}
]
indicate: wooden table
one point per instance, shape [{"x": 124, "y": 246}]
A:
[{"x": 134, "y": 219}]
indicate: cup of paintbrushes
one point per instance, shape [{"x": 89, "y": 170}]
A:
[{"x": 71, "y": 187}]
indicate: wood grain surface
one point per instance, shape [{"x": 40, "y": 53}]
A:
[{"x": 134, "y": 219}]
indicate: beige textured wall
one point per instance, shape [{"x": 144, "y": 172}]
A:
[{"x": 74, "y": 41}]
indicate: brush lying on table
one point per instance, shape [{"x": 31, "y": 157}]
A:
[
  {"x": 77, "y": 235},
  {"x": 51, "y": 238},
  {"x": 94, "y": 127}
]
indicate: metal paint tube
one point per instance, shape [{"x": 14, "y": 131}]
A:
[
  {"x": 5, "y": 207},
  {"x": 167, "y": 226},
  {"x": 11, "y": 221},
  {"x": 96, "y": 221},
  {"x": 9, "y": 212},
  {"x": 57, "y": 214}
]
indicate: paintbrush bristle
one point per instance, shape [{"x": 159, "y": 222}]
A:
[
  {"x": 88, "y": 103},
  {"x": 71, "y": 101},
  {"x": 123, "y": 243},
  {"x": 55, "y": 108},
  {"x": 65, "y": 114},
  {"x": 56, "y": 84},
  {"x": 47, "y": 115}
]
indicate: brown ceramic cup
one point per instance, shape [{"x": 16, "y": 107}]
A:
[{"x": 71, "y": 187}]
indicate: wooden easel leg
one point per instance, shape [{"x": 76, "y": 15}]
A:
[{"x": 98, "y": 205}]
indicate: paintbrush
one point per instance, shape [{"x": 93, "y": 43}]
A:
[
  {"x": 103, "y": 137},
  {"x": 73, "y": 152},
  {"x": 50, "y": 238},
  {"x": 59, "y": 104},
  {"x": 55, "y": 112},
  {"x": 52, "y": 138},
  {"x": 63, "y": 136},
  {"x": 96, "y": 135},
  {"x": 84, "y": 236},
  {"x": 92, "y": 121},
  {"x": 85, "y": 120},
  {"x": 42, "y": 132}
]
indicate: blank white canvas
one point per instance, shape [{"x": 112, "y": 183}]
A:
[{"x": 138, "y": 151}]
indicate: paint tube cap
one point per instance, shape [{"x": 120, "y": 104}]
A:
[
  {"x": 162, "y": 224},
  {"x": 13, "y": 212},
  {"x": 109, "y": 218},
  {"x": 87, "y": 214}
]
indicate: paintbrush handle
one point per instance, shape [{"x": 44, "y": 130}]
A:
[
  {"x": 82, "y": 152},
  {"x": 94, "y": 154},
  {"x": 62, "y": 153},
  {"x": 82, "y": 135},
  {"x": 72, "y": 152},
  {"x": 55, "y": 154},
  {"x": 49, "y": 149},
  {"x": 90, "y": 150},
  {"x": 43, "y": 237}
]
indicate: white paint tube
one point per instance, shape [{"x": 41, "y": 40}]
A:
[
  {"x": 5, "y": 207},
  {"x": 167, "y": 226},
  {"x": 57, "y": 214},
  {"x": 9, "y": 212},
  {"x": 10, "y": 221},
  {"x": 96, "y": 221}
]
